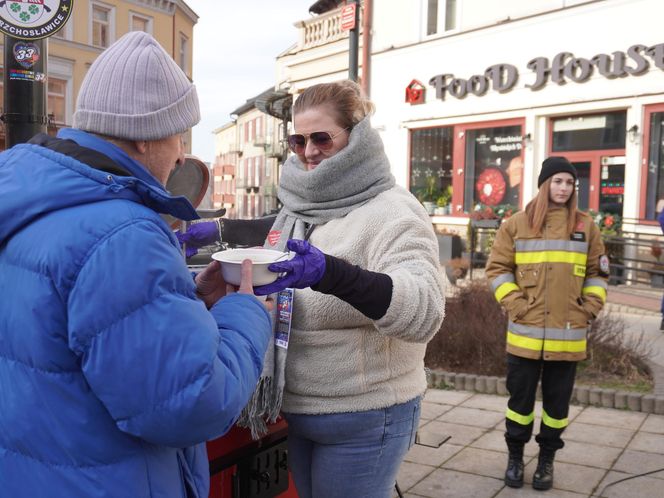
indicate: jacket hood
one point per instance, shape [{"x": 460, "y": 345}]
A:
[{"x": 35, "y": 181}]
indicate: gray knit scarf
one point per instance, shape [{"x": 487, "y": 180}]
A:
[{"x": 353, "y": 176}]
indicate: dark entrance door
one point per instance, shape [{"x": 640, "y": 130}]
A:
[
  {"x": 612, "y": 184},
  {"x": 583, "y": 184}
]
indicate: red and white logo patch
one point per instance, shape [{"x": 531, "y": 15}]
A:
[
  {"x": 273, "y": 237},
  {"x": 580, "y": 226}
]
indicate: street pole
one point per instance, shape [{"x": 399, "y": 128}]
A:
[
  {"x": 26, "y": 25},
  {"x": 25, "y": 89},
  {"x": 354, "y": 43}
]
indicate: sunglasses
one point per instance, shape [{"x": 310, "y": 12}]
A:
[{"x": 322, "y": 140}]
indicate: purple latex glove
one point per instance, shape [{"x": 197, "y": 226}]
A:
[
  {"x": 198, "y": 235},
  {"x": 305, "y": 269}
]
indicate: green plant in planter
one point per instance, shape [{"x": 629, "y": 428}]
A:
[
  {"x": 610, "y": 226},
  {"x": 657, "y": 265},
  {"x": 457, "y": 268},
  {"x": 430, "y": 191},
  {"x": 445, "y": 197}
]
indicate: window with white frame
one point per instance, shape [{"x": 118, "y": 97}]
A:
[
  {"x": 102, "y": 24},
  {"x": 440, "y": 16},
  {"x": 183, "y": 55},
  {"x": 59, "y": 89},
  {"x": 138, "y": 22},
  {"x": 57, "y": 99}
]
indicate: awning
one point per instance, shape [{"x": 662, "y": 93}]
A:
[
  {"x": 322, "y": 6},
  {"x": 276, "y": 103}
]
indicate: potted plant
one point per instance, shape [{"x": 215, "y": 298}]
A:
[
  {"x": 456, "y": 268},
  {"x": 610, "y": 226},
  {"x": 449, "y": 245},
  {"x": 657, "y": 268},
  {"x": 428, "y": 194},
  {"x": 443, "y": 201}
]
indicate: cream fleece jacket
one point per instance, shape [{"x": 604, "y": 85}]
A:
[{"x": 341, "y": 361}]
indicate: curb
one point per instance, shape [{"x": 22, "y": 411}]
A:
[
  {"x": 623, "y": 308},
  {"x": 582, "y": 395}
]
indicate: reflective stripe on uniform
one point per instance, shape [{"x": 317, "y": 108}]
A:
[
  {"x": 595, "y": 286},
  {"x": 548, "y": 345},
  {"x": 549, "y": 333},
  {"x": 550, "y": 251},
  {"x": 518, "y": 418},
  {"x": 501, "y": 279},
  {"x": 503, "y": 285},
  {"x": 529, "y": 258},
  {"x": 555, "y": 423},
  {"x": 551, "y": 245},
  {"x": 504, "y": 290},
  {"x": 549, "y": 339}
]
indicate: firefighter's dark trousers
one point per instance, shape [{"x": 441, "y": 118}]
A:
[{"x": 557, "y": 385}]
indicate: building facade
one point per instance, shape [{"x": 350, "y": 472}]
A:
[
  {"x": 224, "y": 170},
  {"x": 473, "y": 95},
  {"x": 247, "y": 155},
  {"x": 480, "y": 103},
  {"x": 96, "y": 24}
]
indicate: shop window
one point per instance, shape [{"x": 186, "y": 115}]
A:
[
  {"x": 590, "y": 132},
  {"x": 655, "y": 181},
  {"x": 431, "y": 162},
  {"x": 493, "y": 167},
  {"x": 441, "y": 16}
]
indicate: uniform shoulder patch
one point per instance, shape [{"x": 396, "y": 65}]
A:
[{"x": 604, "y": 264}]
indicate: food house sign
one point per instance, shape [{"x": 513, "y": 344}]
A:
[{"x": 562, "y": 68}]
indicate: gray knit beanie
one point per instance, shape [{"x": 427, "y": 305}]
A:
[{"x": 136, "y": 91}]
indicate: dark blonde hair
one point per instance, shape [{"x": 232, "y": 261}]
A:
[
  {"x": 537, "y": 208},
  {"x": 344, "y": 98}
]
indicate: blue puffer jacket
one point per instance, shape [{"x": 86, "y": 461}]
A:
[{"x": 112, "y": 372}]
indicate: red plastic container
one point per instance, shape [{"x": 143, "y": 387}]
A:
[{"x": 243, "y": 468}]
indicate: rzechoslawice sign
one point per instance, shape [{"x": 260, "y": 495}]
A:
[{"x": 33, "y": 19}]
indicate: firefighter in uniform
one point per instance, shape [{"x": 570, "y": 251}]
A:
[{"x": 548, "y": 269}]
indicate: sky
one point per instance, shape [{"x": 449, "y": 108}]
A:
[{"x": 235, "y": 48}]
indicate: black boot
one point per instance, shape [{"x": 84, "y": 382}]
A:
[
  {"x": 514, "y": 472},
  {"x": 543, "y": 477}
]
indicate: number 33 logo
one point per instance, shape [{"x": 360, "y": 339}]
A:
[{"x": 26, "y": 54}]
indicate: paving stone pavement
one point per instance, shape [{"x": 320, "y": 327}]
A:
[
  {"x": 603, "y": 446},
  {"x": 605, "y": 450}
]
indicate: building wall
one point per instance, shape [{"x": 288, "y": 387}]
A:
[
  {"x": 71, "y": 52},
  {"x": 397, "y": 24}
]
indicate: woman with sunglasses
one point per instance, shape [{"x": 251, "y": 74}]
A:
[{"x": 370, "y": 296}]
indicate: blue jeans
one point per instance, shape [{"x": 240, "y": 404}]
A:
[{"x": 355, "y": 454}]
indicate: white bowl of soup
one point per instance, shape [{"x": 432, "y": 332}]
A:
[{"x": 231, "y": 264}]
